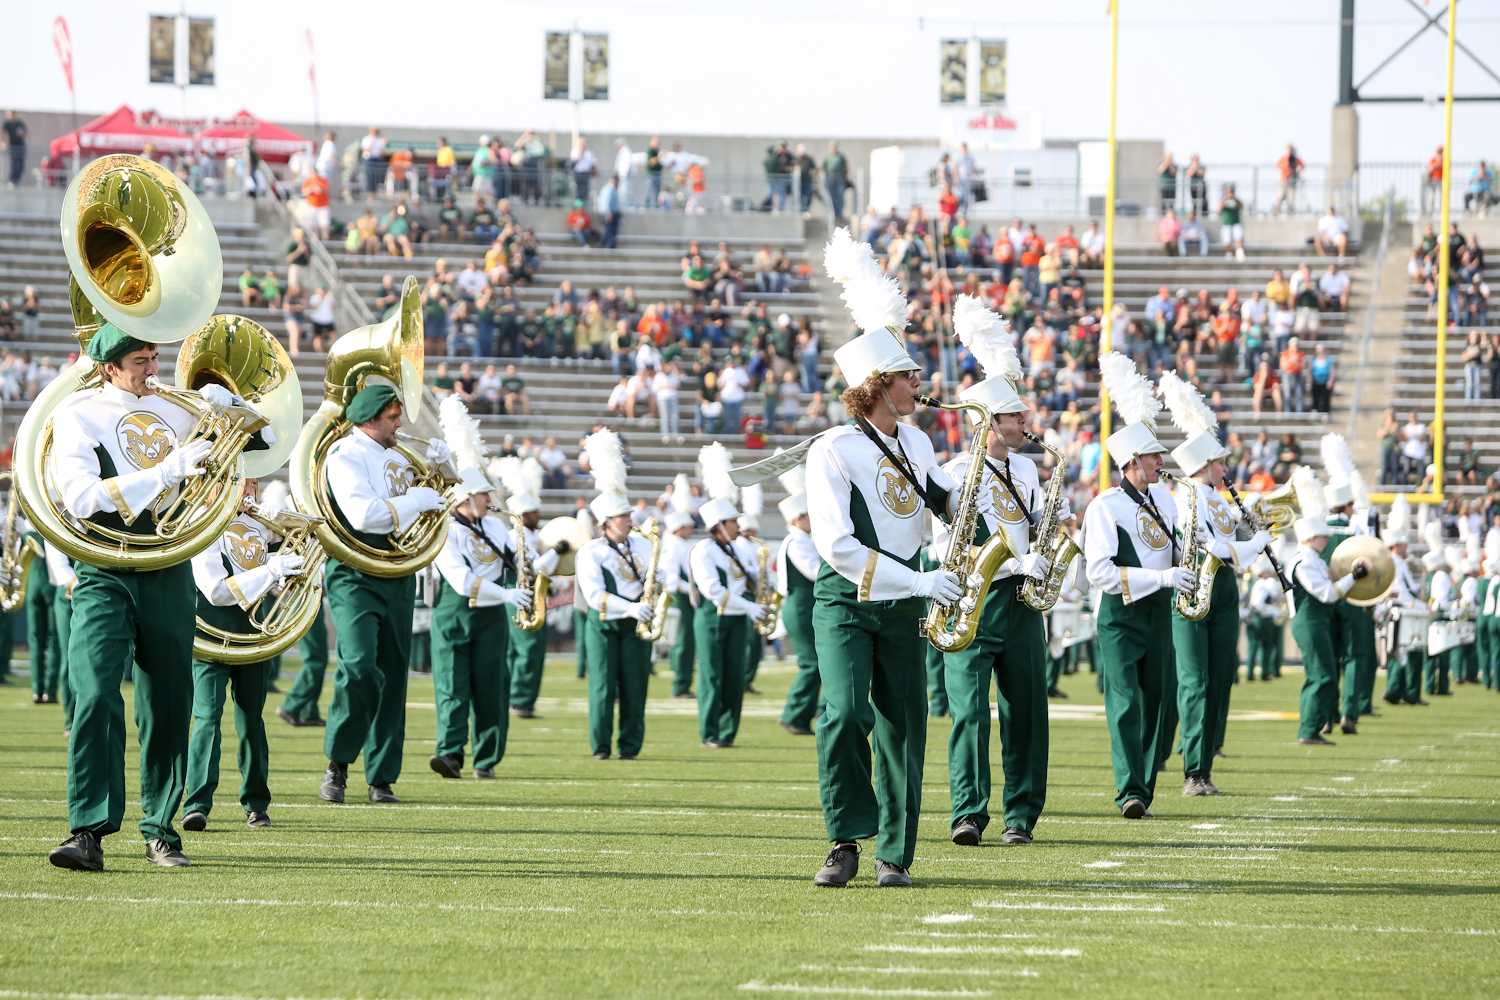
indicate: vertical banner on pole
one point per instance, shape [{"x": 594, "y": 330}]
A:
[
  {"x": 201, "y": 51},
  {"x": 556, "y": 68},
  {"x": 162, "y": 49},
  {"x": 62, "y": 41},
  {"x": 1106, "y": 321},
  {"x": 953, "y": 71},
  {"x": 595, "y": 67}
]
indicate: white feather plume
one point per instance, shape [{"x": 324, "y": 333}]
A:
[
  {"x": 1338, "y": 463},
  {"x": 844, "y": 257},
  {"x": 987, "y": 336},
  {"x": 1492, "y": 548},
  {"x": 1189, "y": 412},
  {"x": 1432, "y": 535},
  {"x": 1309, "y": 493},
  {"x": 1473, "y": 546},
  {"x": 682, "y": 494},
  {"x": 533, "y": 475},
  {"x": 752, "y": 500},
  {"x": 876, "y": 301},
  {"x": 503, "y": 471},
  {"x": 1399, "y": 519},
  {"x": 1361, "y": 490},
  {"x": 461, "y": 431},
  {"x": 793, "y": 480},
  {"x": 275, "y": 496},
  {"x": 714, "y": 463},
  {"x": 606, "y": 461},
  {"x": 1129, "y": 390}
]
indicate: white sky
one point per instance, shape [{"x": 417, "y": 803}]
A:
[{"x": 1231, "y": 80}]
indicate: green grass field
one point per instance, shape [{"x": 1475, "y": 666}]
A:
[{"x": 1372, "y": 869}]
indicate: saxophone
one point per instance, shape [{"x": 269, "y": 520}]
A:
[
  {"x": 952, "y": 627},
  {"x": 528, "y": 579},
  {"x": 1052, "y": 542},
  {"x": 1194, "y": 604},
  {"x": 17, "y": 552},
  {"x": 652, "y": 591},
  {"x": 766, "y": 595}
]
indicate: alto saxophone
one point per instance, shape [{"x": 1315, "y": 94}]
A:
[
  {"x": 652, "y": 591},
  {"x": 1194, "y": 604},
  {"x": 952, "y": 627},
  {"x": 766, "y": 595},
  {"x": 528, "y": 579},
  {"x": 1053, "y": 543},
  {"x": 17, "y": 553}
]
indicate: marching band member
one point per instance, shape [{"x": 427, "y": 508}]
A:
[
  {"x": 63, "y": 577},
  {"x": 1315, "y": 596},
  {"x": 300, "y": 706},
  {"x": 1354, "y": 627},
  {"x": 930, "y": 558},
  {"x": 611, "y": 577},
  {"x": 723, "y": 571},
  {"x": 1011, "y": 643},
  {"x": 1403, "y": 682},
  {"x": 1442, "y": 604},
  {"x": 527, "y": 651},
  {"x": 678, "y": 573},
  {"x": 42, "y": 638},
  {"x": 1066, "y": 650},
  {"x": 1467, "y": 658},
  {"x": 115, "y": 454},
  {"x": 748, "y": 544},
  {"x": 867, "y": 485},
  {"x": 368, "y": 480},
  {"x": 1131, "y": 554},
  {"x": 473, "y": 608},
  {"x": 797, "y": 568},
  {"x": 232, "y": 577},
  {"x": 1267, "y": 617},
  {"x": 1207, "y": 650},
  {"x": 1489, "y": 612}
]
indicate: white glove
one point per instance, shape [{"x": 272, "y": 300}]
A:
[
  {"x": 1178, "y": 578},
  {"x": 756, "y": 611},
  {"x": 1035, "y": 565},
  {"x": 939, "y": 584},
  {"x": 283, "y": 566},
  {"x": 1261, "y": 539},
  {"x": 517, "y": 596},
  {"x": 216, "y": 396},
  {"x": 438, "y": 451},
  {"x": 184, "y": 462},
  {"x": 1065, "y": 509},
  {"x": 642, "y": 612},
  {"x": 1220, "y": 548},
  {"x": 268, "y": 434},
  {"x": 427, "y": 498}
]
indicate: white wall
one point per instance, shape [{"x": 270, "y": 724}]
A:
[{"x": 1230, "y": 80}]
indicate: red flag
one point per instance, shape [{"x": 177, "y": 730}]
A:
[{"x": 63, "y": 43}]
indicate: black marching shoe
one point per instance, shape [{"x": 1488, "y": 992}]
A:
[
  {"x": 1015, "y": 836},
  {"x": 334, "y": 780},
  {"x": 164, "y": 855},
  {"x": 382, "y": 793},
  {"x": 195, "y": 822},
  {"x": 81, "y": 852},
  {"x": 484, "y": 773},
  {"x": 1133, "y": 809},
  {"x": 966, "y": 832},
  {"x": 1316, "y": 741},
  {"x": 447, "y": 766},
  {"x": 796, "y": 730},
  {"x": 839, "y": 868},
  {"x": 1349, "y": 728},
  {"x": 1057, "y": 693},
  {"x": 288, "y": 718},
  {"x": 889, "y": 876},
  {"x": 257, "y": 820},
  {"x": 316, "y": 720},
  {"x": 601, "y": 755}
]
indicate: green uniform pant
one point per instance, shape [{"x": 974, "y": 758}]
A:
[
  {"x": 248, "y": 683},
  {"x": 1134, "y": 646},
  {"x": 1207, "y": 655},
  {"x": 1489, "y": 626},
  {"x": 1403, "y": 679},
  {"x": 301, "y": 702},
  {"x": 1359, "y": 661},
  {"x": 619, "y": 664},
  {"x": 1467, "y": 665},
  {"x": 684, "y": 650},
  {"x": 722, "y": 652},
  {"x": 41, "y": 638},
  {"x": 1011, "y": 646},
  {"x": 1482, "y": 649},
  {"x": 870, "y": 665},
  {"x": 62, "y": 626},
  {"x": 937, "y": 681},
  {"x": 147, "y": 618},
  {"x": 755, "y": 649},
  {"x": 580, "y": 645},
  {"x": 1055, "y": 667},
  {"x": 1261, "y": 647},
  {"x": 802, "y": 698},
  {"x": 372, "y": 625},
  {"x": 526, "y": 654},
  {"x": 1319, "y": 704},
  {"x": 1437, "y": 670},
  {"x": 470, "y": 673}
]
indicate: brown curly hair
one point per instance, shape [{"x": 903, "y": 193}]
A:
[{"x": 859, "y": 400}]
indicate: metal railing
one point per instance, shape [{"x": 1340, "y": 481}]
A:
[
  {"x": 1372, "y": 308},
  {"x": 350, "y": 307}
]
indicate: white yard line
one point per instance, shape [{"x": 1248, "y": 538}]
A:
[
  {"x": 972, "y": 949},
  {"x": 1002, "y": 904},
  {"x": 917, "y": 970},
  {"x": 758, "y": 986}
]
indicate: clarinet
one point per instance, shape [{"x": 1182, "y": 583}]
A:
[{"x": 1234, "y": 495}]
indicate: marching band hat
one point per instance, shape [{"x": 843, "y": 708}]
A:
[
  {"x": 874, "y": 352},
  {"x": 717, "y": 510},
  {"x": 367, "y": 403},
  {"x": 111, "y": 344}
]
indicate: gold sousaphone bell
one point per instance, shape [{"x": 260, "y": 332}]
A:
[{"x": 1371, "y": 552}]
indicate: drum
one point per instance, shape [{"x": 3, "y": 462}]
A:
[{"x": 1442, "y": 636}]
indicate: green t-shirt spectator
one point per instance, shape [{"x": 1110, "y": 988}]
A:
[
  {"x": 303, "y": 258},
  {"x": 835, "y": 166},
  {"x": 653, "y": 160},
  {"x": 481, "y": 217},
  {"x": 701, "y": 273},
  {"x": 442, "y": 383},
  {"x": 270, "y": 287},
  {"x": 1230, "y": 211},
  {"x": 513, "y": 383},
  {"x": 247, "y": 282},
  {"x": 450, "y": 215},
  {"x": 395, "y": 224}
]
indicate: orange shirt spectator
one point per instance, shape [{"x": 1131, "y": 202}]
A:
[
  {"x": 652, "y": 326},
  {"x": 1031, "y": 255},
  {"x": 1435, "y": 166},
  {"x": 1004, "y": 253},
  {"x": 695, "y": 178},
  {"x": 400, "y": 163},
  {"x": 948, "y": 206},
  {"x": 1067, "y": 241},
  {"x": 1226, "y": 327},
  {"x": 578, "y": 219},
  {"x": 1262, "y": 482},
  {"x": 1292, "y": 360},
  {"x": 315, "y": 190},
  {"x": 1041, "y": 348},
  {"x": 1288, "y": 164}
]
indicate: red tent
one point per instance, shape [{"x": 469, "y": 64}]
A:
[
  {"x": 120, "y": 131},
  {"x": 272, "y": 141}
]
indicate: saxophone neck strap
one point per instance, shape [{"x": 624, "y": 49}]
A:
[
  {"x": 505, "y": 555},
  {"x": 728, "y": 550},
  {"x": 1003, "y": 474},
  {"x": 903, "y": 464},
  {"x": 1144, "y": 501},
  {"x": 622, "y": 549}
]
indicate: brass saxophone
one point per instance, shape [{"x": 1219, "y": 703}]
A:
[
  {"x": 529, "y": 580},
  {"x": 652, "y": 591},
  {"x": 766, "y": 595},
  {"x": 1194, "y": 604},
  {"x": 952, "y": 627},
  {"x": 17, "y": 554},
  {"x": 1052, "y": 542}
]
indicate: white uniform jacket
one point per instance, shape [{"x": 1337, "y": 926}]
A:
[
  {"x": 728, "y": 584},
  {"x": 599, "y": 557},
  {"x": 1114, "y": 511},
  {"x": 472, "y": 562}
]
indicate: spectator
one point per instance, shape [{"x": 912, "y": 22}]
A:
[
  {"x": 396, "y": 228},
  {"x": 15, "y": 143},
  {"x": 1322, "y": 375},
  {"x": 609, "y": 207},
  {"x": 1476, "y": 301},
  {"x": 554, "y": 462},
  {"x": 328, "y": 157},
  {"x": 584, "y": 169},
  {"x": 471, "y": 280},
  {"x": 1432, "y": 182},
  {"x": 1288, "y": 457},
  {"x": 1197, "y": 184},
  {"x": 1226, "y": 334},
  {"x": 250, "y": 293},
  {"x": 513, "y": 389},
  {"x": 1414, "y": 450},
  {"x": 835, "y": 181},
  {"x": 696, "y": 277},
  {"x": 1231, "y": 228},
  {"x": 315, "y": 193},
  {"x": 807, "y": 179},
  {"x": 733, "y": 382},
  {"x": 1491, "y": 359},
  {"x": 466, "y": 384},
  {"x": 1473, "y": 369},
  {"x": 1289, "y": 168},
  {"x": 1307, "y": 302},
  {"x": 487, "y": 392},
  {"x": 1168, "y": 229},
  {"x": 1265, "y": 384},
  {"x": 1166, "y": 173},
  {"x": 293, "y": 308},
  {"x": 1292, "y": 366},
  {"x": 484, "y": 225},
  {"x": 1333, "y": 287},
  {"x": 640, "y": 398},
  {"x": 1468, "y": 473},
  {"x": 321, "y": 314},
  {"x": 788, "y": 402},
  {"x": 372, "y": 155},
  {"x": 619, "y": 396},
  {"x": 1479, "y": 195},
  {"x": 1193, "y": 231},
  {"x": 581, "y": 225},
  {"x": 399, "y": 173},
  {"x": 1091, "y": 247},
  {"x": 450, "y": 219},
  {"x": 364, "y": 234},
  {"x": 1333, "y": 234},
  {"x": 463, "y": 330},
  {"x": 665, "y": 387}
]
